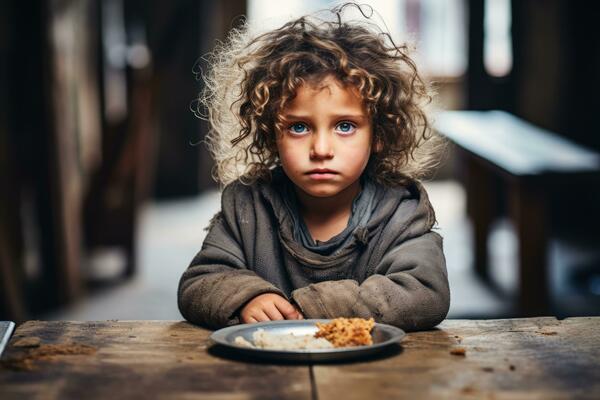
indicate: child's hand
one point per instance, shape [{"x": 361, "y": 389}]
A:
[{"x": 269, "y": 307}]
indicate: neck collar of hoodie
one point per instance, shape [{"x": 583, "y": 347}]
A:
[
  {"x": 362, "y": 208},
  {"x": 385, "y": 204}
]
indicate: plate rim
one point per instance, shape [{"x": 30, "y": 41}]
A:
[{"x": 218, "y": 337}]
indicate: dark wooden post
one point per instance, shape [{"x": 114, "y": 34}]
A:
[{"x": 528, "y": 210}]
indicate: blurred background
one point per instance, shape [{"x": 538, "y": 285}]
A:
[{"x": 105, "y": 186}]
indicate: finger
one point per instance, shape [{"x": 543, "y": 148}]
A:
[
  {"x": 273, "y": 313},
  {"x": 293, "y": 316},
  {"x": 298, "y": 311},
  {"x": 247, "y": 318},
  {"x": 260, "y": 316},
  {"x": 286, "y": 308}
]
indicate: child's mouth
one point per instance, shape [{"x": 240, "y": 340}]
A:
[{"x": 322, "y": 173}]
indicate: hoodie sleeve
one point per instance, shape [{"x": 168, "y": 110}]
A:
[
  {"x": 217, "y": 284},
  {"x": 409, "y": 289}
]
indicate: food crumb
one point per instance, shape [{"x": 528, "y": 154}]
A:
[
  {"x": 512, "y": 367},
  {"x": 459, "y": 351},
  {"x": 45, "y": 352},
  {"x": 49, "y": 351},
  {"x": 32, "y": 341},
  {"x": 468, "y": 390},
  {"x": 18, "y": 364}
]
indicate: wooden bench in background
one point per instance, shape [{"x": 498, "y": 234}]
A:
[{"x": 531, "y": 164}]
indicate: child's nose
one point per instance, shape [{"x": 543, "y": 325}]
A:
[{"x": 321, "y": 147}]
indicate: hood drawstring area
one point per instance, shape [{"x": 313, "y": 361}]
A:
[{"x": 362, "y": 236}]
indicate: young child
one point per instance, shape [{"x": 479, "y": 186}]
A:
[{"x": 319, "y": 136}]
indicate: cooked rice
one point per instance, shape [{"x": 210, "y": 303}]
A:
[{"x": 275, "y": 341}]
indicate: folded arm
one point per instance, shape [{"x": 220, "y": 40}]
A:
[
  {"x": 409, "y": 289},
  {"x": 217, "y": 284}
]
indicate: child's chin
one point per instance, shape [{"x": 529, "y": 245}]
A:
[{"x": 322, "y": 193}]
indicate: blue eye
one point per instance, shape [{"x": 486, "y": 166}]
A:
[
  {"x": 346, "y": 127},
  {"x": 298, "y": 128}
]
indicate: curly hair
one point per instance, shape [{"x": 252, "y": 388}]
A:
[{"x": 251, "y": 80}]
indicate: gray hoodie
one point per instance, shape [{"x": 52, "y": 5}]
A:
[{"x": 393, "y": 268}]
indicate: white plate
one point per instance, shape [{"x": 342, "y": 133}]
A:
[{"x": 383, "y": 336}]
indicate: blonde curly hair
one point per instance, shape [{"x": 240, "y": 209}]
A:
[{"x": 252, "y": 79}]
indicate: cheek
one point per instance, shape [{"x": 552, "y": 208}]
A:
[
  {"x": 287, "y": 154},
  {"x": 358, "y": 151},
  {"x": 357, "y": 157}
]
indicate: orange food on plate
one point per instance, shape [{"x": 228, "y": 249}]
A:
[{"x": 346, "y": 332}]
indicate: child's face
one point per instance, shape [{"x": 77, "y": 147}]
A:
[{"x": 326, "y": 127}]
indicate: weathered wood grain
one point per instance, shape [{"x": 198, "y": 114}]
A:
[
  {"x": 536, "y": 358},
  {"x": 138, "y": 359}
]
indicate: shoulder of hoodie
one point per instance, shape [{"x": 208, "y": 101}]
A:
[
  {"x": 242, "y": 191},
  {"x": 417, "y": 206},
  {"x": 239, "y": 195},
  {"x": 411, "y": 190},
  {"x": 236, "y": 192},
  {"x": 235, "y": 188}
]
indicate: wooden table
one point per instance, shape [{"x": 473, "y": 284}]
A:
[{"x": 535, "y": 358}]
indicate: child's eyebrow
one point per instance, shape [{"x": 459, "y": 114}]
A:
[{"x": 340, "y": 116}]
